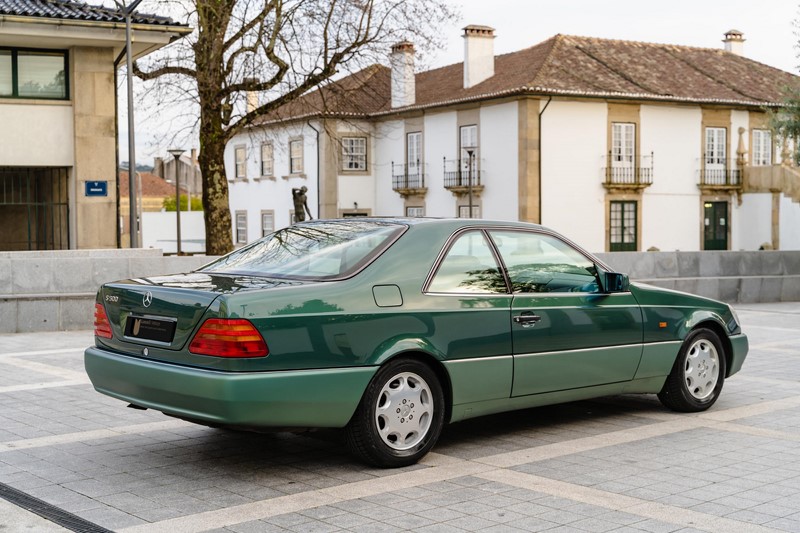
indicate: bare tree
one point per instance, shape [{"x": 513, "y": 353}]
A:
[{"x": 280, "y": 49}]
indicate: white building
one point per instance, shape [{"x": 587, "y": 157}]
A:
[{"x": 621, "y": 145}]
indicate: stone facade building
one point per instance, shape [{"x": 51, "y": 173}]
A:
[{"x": 58, "y": 163}]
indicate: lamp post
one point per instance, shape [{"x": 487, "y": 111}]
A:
[
  {"x": 177, "y": 153},
  {"x": 127, "y": 10}
]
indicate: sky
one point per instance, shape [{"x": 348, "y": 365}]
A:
[{"x": 768, "y": 26}]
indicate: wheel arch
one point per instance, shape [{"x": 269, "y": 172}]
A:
[
  {"x": 722, "y": 334},
  {"x": 434, "y": 364}
]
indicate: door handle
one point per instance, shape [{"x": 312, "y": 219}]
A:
[{"x": 527, "y": 319}]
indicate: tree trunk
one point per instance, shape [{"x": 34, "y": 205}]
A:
[{"x": 216, "y": 209}]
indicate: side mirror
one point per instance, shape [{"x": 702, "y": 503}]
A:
[{"x": 616, "y": 282}]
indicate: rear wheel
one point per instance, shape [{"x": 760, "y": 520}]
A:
[
  {"x": 400, "y": 416},
  {"x": 697, "y": 377}
]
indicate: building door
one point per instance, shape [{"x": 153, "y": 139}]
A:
[
  {"x": 34, "y": 209},
  {"x": 715, "y": 220},
  {"x": 623, "y": 227}
]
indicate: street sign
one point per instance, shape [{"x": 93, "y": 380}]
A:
[{"x": 96, "y": 188}]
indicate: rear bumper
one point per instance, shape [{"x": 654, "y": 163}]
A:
[
  {"x": 739, "y": 347},
  {"x": 299, "y": 398}
]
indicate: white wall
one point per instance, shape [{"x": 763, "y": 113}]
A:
[
  {"x": 499, "y": 145},
  {"x": 789, "y": 224},
  {"x": 37, "y": 135},
  {"x": 573, "y": 154},
  {"x": 671, "y": 208},
  {"x": 740, "y": 223},
  {"x": 389, "y": 146},
  {"x": 440, "y": 138},
  {"x": 754, "y": 226},
  {"x": 159, "y": 230}
]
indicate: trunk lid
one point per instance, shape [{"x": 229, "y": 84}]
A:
[{"x": 164, "y": 311}]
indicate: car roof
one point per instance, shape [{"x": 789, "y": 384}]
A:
[{"x": 419, "y": 221}]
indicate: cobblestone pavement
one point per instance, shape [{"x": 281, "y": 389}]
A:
[{"x": 618, "y": 464}]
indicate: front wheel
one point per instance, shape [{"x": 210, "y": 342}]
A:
[
  {"x": 696, "y": 379},
  {"x": 400, "y": 416}
]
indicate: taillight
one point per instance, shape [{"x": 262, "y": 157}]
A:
[
  {"x": 228, "y": 338},
  {"x": 102, "y": 327}
]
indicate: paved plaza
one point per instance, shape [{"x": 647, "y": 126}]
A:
[{"x": 618, "y": 464}]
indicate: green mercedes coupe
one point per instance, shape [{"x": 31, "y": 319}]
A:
[{"x": 390, "y": 328}]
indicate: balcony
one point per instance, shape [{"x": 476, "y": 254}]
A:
[
  {"x": 633, "y": 174},
  {"x": 720, "y": 175},
  {"x": 460, "y": 179},
  {"x": 409, "y": 179}
]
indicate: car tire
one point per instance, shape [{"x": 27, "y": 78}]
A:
[
  {"x": 697, "y": 376},
  {"x": 400, "y": 416}
]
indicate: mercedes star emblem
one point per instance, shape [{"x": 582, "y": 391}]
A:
[{"x": 148, "y": 299}]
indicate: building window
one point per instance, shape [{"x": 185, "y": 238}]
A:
[
  {"x": 623, "y": 149},
  {"x": 267, "y": 167},
  {"x": 354, "y": 153},
  {"x": 715, "y": 147},
  {"x": 267, "y": 222},
  {"x": 33, "y": 74},
  {"x": 468, "y": 144},
  {"x": 415, "y": 211},
  {"x": 241, "y": 227},
  {"x": 241, "y": 162},
  {"x": 414, "y": 153},
  {"x": 762, "y": 148},
  {"x": 296, "y": 156},
  {"x": 623, "y": 227},
  {"x": 463, "y": 211}
]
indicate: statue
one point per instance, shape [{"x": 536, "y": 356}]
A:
[{"x": 301, "y": 204}]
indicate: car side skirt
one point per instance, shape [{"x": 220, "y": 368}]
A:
[
  {"x": 471, "y": 410},
  {"x": 304, "y": 398}
]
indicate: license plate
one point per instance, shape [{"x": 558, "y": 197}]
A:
[{"x": 150, "y": 328}]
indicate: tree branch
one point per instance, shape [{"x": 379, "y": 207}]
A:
[{"x": 162, "y": 71}]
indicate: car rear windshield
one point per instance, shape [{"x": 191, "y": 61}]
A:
[{"x": 314, "y": 250}]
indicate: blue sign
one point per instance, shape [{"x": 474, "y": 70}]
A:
[{"x": 96, "y": 188}]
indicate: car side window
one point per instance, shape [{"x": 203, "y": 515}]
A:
[
  {"x": 469, "y": 267},
  {"x": 539, "y": 262}
]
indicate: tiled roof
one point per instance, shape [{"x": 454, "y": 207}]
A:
[
  {"x": 71, "y": 10},
  {"x": 152, "y": 185},
  {"x": 568, "y": 66}
]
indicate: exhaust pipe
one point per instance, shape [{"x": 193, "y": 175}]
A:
[{"x": 137, "y": 407}]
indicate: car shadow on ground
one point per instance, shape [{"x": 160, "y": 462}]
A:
[{"x": 312, "y": 450}]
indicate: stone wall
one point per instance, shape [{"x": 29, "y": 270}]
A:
[
  {"x": 55, "y": 290},
  {"x": 735, "y": 277}
]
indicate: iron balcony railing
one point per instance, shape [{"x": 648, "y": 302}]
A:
[
  {"x": 633, "y": 171},
  {"x": 457, "y": 173},
  {"x": 720, "y": 172},
  {"x": 407, "y": 176}
]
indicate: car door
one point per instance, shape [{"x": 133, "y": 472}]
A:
[
  {"x": 468, "y": 308},
  {"x": 566, "y": 332}
]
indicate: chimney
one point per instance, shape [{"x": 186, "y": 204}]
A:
[
  {"x": 403, "y": 83},
  {"x": 158, "y": 167},
  {"x": 252, "y": 96},
  {"x": 478, "y": 54},
  {"x": 734, "y": 42}
]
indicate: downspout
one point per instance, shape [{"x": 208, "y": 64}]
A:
[
  {"x": 319, "y": 192},
  {"x": 549, "y": 98}
]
